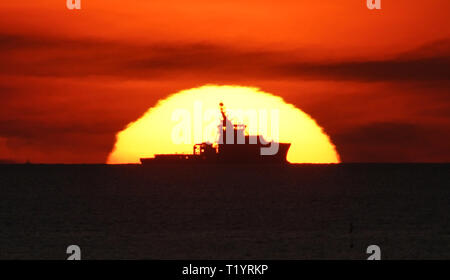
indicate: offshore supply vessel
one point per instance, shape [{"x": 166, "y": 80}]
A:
[{"x": 235, "y": 147}]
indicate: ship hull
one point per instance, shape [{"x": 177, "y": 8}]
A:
[{"x": 278, "y": 158}]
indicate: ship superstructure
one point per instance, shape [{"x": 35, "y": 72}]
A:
[{"x": 233, "y": 147}]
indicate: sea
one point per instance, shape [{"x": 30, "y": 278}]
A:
[{"x": 235, "y": 212}]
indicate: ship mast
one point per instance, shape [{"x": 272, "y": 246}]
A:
[{"x": 224, "y": 123}]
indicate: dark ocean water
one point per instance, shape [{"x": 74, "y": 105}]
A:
[{"x": 240, "y": 212}]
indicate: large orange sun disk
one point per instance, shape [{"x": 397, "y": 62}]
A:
[{"x": 153, "y": 132}]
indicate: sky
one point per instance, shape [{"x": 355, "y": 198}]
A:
[{"x": 377, "y": 81}]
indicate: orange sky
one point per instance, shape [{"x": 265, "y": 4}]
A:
[{"x": 378, "y": 82}]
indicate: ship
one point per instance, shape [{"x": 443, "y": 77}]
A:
[{"x": 232, "y": 148}]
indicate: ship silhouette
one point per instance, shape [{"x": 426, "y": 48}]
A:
[{"x": 232, "y": 148}]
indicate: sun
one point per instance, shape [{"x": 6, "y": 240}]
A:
[{"x": 188, "y": 117}]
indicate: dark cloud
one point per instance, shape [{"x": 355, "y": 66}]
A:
[
  {"x": 13, "y": 42},
  {"x": 433, "y": 49},
  {"x": 421, "y": 69},
  {"x": 52, "y": 57},
  {"x": 394, "y": 142},
  {"x": 428, "y": 63},
  {"x": 8, "y": 92},
  {"x": 33, "y": 129},
  {"x": 86, "y": 58},
  {"x": 64, "y": 148},
  {"x": 7, "y": 161}
]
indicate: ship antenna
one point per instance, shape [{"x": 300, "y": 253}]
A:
[
  {"x": 224, "y": 124},
  {"x": 222, "y": 111}
]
